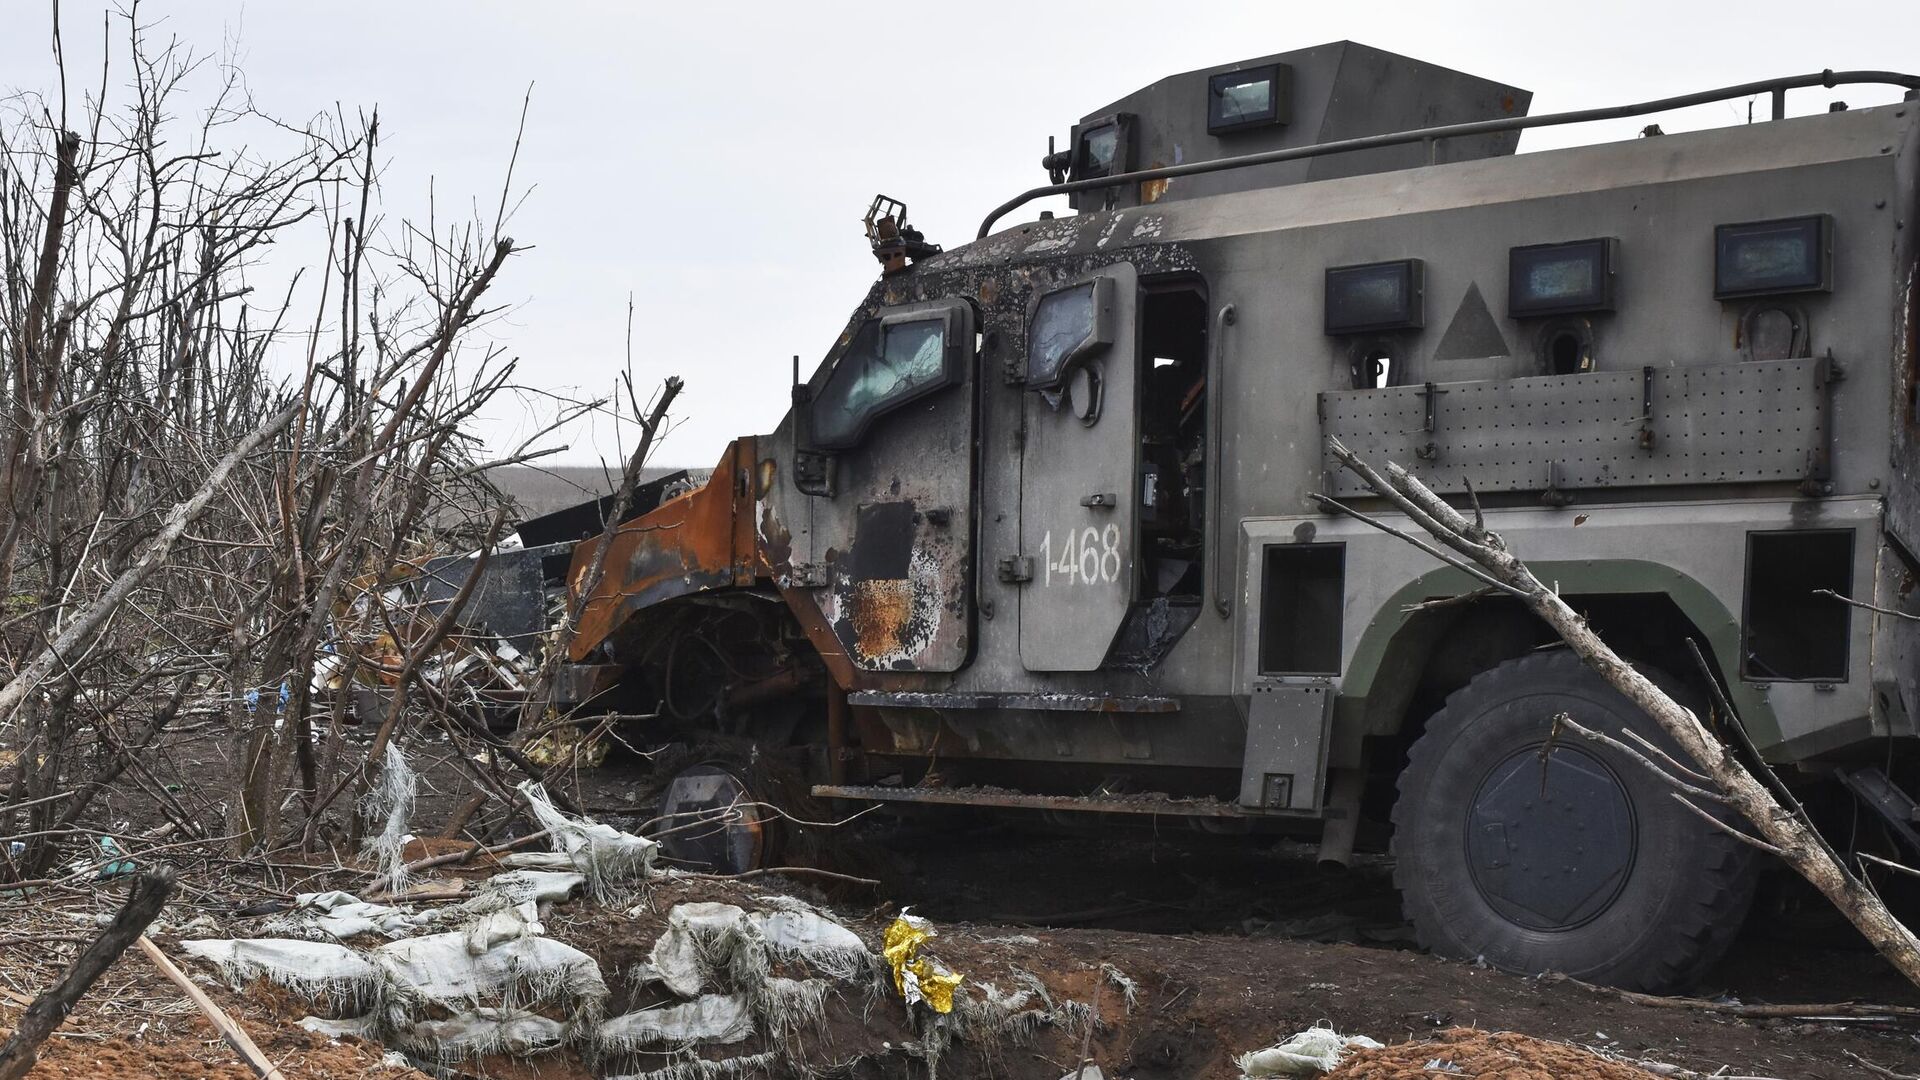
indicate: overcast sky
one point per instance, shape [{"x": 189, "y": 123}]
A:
[{"x": 714, "y": 160}]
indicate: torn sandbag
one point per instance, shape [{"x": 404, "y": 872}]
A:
[
  {"x": 482, "y": 1031},
  {"x": 390, "y": 801},
  {"x": 785, "y": 1006},
  {"x": 712, "y": 1018},
  {"x": 800, "y": 933},
  {"x": 1308, "y": 1053},
  {"x": 707, "y": 942},
  {"x": 525, "y": 971},
  {"x": 694, "y": 1068},
  {"x": 355, "y": 1027},
  {"x": 342, "y": 915},
  {"x": 916, "y": 977},
  {"x": 311, "y": 969},
  {"x": 603, "y": 853}
]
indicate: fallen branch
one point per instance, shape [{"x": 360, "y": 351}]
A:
[
  {"x": 229, "y": 1030},
  {"x": 144, "y": 901},
  {"x": 1849, "y": 1009},
  {"x": 1791, "y": 834}
]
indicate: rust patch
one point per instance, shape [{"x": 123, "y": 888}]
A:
[
  {"x": 697, "y": 541},
  {"x": 881, "y": 615},
  {"x": 1152, "y": 190},
  {"x": 989, "y": 291}
]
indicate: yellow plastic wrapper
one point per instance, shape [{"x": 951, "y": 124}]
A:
[{"x": 916, "y": 977}]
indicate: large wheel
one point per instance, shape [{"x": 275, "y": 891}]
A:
[{"x": 1583, "y": 864}]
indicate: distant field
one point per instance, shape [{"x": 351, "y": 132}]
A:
[{"x": 537, "y": 490}]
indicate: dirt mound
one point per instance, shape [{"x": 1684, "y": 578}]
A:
[{"x": 1483, "y": 1055}]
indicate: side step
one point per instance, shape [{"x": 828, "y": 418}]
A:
[
  {"x": 1150, "y": 804},
  {"x": 1885, "y": 798},
  {"x": 1094, "y": 703}
]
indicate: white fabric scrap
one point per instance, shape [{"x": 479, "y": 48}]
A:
[
  {"x": 603, "y": 853},
  {"x": 1308, "y": 1053},
  {"x": 391, "y": 800},
  {"x": 713, "y": 1018}
]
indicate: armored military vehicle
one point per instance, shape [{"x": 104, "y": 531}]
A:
[{"x": 1037, "y": 534}]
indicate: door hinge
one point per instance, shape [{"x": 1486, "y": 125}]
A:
[{"x": 1014, "y": 569}]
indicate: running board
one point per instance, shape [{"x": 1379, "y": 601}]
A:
[
  {"x": 1885, "y": 798},
  {"x": 1151, "y": 804},
  {"x": 1094, "y": 703}
]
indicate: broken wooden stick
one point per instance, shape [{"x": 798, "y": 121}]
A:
[
  {"x": 144, "y": 900},
  {"x": 228, "y": 1028}
]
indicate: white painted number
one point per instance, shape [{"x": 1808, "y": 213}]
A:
[{"x": 1087, "y": 556}]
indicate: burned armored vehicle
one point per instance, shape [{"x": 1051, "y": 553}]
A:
[{"x": 1037, "y": 532}]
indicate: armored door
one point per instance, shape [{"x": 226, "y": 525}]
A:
[
  {"x": 1079, "y": 480},
  {"x": 888, "y": 429}
]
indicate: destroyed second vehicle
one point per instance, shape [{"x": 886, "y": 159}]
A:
[{"x": 1038, "y": 530}]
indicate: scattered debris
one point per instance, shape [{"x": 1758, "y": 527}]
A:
[{"x": 1319, "y": 1049}]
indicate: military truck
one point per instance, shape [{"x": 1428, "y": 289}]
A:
[{"x": 1037, "y": 533}]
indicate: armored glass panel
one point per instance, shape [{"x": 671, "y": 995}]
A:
[
  {"x": 883, "y": 366},
  {"x": 1378, "y": 296},
  {"x": 1098, "y": 149},
  {"x": 1245, "y": 99},
  {"x": 1560, "y": 279},
  {"x": 1766, "y": 257},
  {"x": 1062, "y": 323}
]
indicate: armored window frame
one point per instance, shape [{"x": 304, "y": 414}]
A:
[
  {"x": 1604, "y": 255},
  {"x": 1279, "y": 104},
  {"x": 955, "y": 319},
  {"x": 1815, "y": 273},
  {"x": 1081, "y": 168},
  {"x": 1411, "y": 274},
  {"x": 1100, "y": 335}
]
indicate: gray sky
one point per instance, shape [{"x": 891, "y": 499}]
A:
[{"x": 713, "y": 160}]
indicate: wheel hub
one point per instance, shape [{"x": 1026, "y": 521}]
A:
[
  {"x": 712, "y": 821},
  {"x": 1550, "y": 847}
]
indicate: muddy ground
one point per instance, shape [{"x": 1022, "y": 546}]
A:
[{"x": 1232, "y": 942}]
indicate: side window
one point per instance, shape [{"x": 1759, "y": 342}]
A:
[
  {"x": 892, "y": 360},
  {"x": 1068, "y": 324}
]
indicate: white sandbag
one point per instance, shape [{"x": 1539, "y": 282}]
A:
[
  {"x": 309, "y": 968},
  {"x": 706, "y": 942},
  {"x": 358, "y": 1027},
  {"x": 819, "y": 942},
  {"x": 714, "y": 1018},
  {"x": 482, "y": 1031},
  {"x": 1308, "y": 1053},
  {"x": 341, "y": 915},
  {"x": 525, "y": 970},
  {"x": 607, "y": 856}
]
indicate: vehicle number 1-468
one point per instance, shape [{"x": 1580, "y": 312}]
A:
[{"x": 1087, "y": 556}]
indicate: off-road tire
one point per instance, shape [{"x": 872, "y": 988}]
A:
[{"x": 1680, "y": 887}]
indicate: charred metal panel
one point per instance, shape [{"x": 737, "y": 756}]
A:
[
  {"x": 1079, "y": 502},
  {"x": 704, "y": 539},
  {"x": 1641, "y": 427},
  {"x": 509, "y": 601}
]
